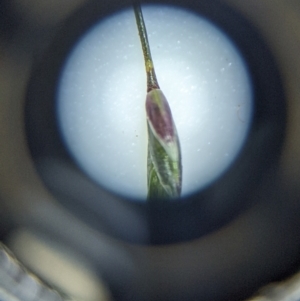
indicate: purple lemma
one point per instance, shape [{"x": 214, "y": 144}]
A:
[
  {"x": 161, "y": 122},
  {"x": 159, "y": 114}
]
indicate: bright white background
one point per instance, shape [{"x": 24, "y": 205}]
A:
[{"x": 103, "y": 89}]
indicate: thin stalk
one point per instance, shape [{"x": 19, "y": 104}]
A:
[{"x": 151, "y": 76}]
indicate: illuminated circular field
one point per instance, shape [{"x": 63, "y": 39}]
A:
[{"x": 102, "y": 93}]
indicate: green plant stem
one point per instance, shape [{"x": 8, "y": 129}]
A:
[{"x": 151, "y": 76}]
